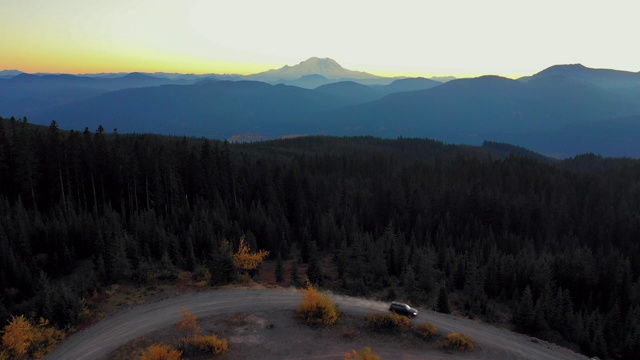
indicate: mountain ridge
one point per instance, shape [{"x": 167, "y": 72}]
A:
[
  {"x": 487, "y": 108},
  {"x": 326, "y": 67},
  {"x": 605, "y": 78},
  {"x": 464, "y": 111}
]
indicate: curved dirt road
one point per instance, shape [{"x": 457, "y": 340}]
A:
[{"x": 109, "y": 334}]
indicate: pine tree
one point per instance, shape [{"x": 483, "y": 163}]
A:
[
  {"x": 222, "y": 267},
  {"x": 4, "y": 147},
  {"x": 279, "y": 269},
  {"x": 525, "y": 316},
  {"x": 295, "y": 279},
  {"x": 314, "y": 270},
  {"x": 443, "y": 301}
]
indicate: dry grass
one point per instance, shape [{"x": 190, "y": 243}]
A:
[
  {"x": 365, "y": 354},
  {"x": 161, "y": 352},
  {"x": 457, "y": 342},
  {"x": 426, "y": 330},
  {"x": 387, "y": 323},
  {"x": 209, "y": 344}
]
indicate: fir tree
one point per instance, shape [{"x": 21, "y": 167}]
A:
[{"x": 443, "y": 301}]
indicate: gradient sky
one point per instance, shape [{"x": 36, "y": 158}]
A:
[{"x": 400, "y": 37}]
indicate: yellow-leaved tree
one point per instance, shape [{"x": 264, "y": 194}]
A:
[
  {"x": 18, "y": 336},
  {"x": 22, "y": 339},
  {"x": 246, "y": 260}
]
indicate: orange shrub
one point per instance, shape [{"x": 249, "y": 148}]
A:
[
  {"x": 161, "y": 352},
  {"x": 23, "y": 339},
  {"x": 391, "y": 323},
  {"x": 456, "y": 341},
  {"x": 189, "y": 325},
  {"x": 18, "y": 336},
  {"x": 426, "y": 330},
  {"x": 317, "y": 308},
  {"x": 210, "y": 343},
  {"x": 46, "y": 338},
  {"x": 367, "y": 354}
]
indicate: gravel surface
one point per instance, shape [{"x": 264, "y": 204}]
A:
[{"x": 288, "y": 339}]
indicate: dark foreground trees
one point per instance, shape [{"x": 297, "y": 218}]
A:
[{"x": 553, "y": 246}]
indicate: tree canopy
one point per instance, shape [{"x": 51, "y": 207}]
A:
[{"x": 550, "y": 244}]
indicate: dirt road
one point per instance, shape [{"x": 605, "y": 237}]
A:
[{"x": 109, "y": 334}]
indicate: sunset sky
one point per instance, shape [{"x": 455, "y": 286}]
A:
[{"x": 400, "y": 37}]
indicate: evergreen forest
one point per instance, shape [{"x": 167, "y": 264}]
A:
[{"x": 550, "y": 248}]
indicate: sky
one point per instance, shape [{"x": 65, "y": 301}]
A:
[{"x": 391, "y": 38}]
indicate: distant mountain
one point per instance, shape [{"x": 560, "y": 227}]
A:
[
  {"x": 443, "y": 79},
  {"x": 325, "y": 67},
  {"x": 612, "y": 136},
  {"x": 544, "y": 114},
  {"x": 356, "y": 93},
  {"x": 307, "y": 81},
  {"x": 7, "y": 74},
  {"x": 470, "y": 110},
  {"x": 604, "y": 78},
  {"x": 218, "y": 109},
  {"x": 560, "y": 111},
  {"x": 351, "y": 92},
  {"x": 616, "y": 136},
  {"x": 27, "y": 95},
  {"x": 196, "y": 77},
  {"x": 630, "y": 93},
  {"x": 408, "y": 84},
  {"x": 502, "y": 150}
]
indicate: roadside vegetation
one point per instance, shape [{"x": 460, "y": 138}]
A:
[
  {"x": 392, "y": 323},
  {"x": 161, "y": 352},
  {"x": 387, "y": 323},
  {"x": 23, "y": 339},
  {"x": 191, "y": 341},
  {"x": 425, "y": 330},
  {"x": 365, "y": 354},
  {"x": 456, "y": 342},
  {"x": 188, "y": 342},
  {"x": 317, "y": 307}
]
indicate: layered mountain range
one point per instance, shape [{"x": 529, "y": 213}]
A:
[{"x": 561, "y": 111}]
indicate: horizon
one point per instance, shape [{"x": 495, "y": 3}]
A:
[
  {"x": 408, "y": 39},
  {"x": 124, "y": 73}
]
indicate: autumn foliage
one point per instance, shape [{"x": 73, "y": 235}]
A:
[
  {"x": 191, "y": 341},
  {"x": 456, "y": 341},
  {"x": 210, "y": 344},
  {"x": 367, "y": 354},
  {"x": 317, "y": 308},
  {"x": 23, "y": 339},
  {"x": 426, "y": 330},
  {"x": 189, "y": 326},
  {"x": 389, "y": 323},
  {"x": 18, "y": 336},
  {"x": 161, "y": 352},
  {"x": 246, "y": 260}
]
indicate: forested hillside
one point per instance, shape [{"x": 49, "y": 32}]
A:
[{"x": 549, "y": 247}]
